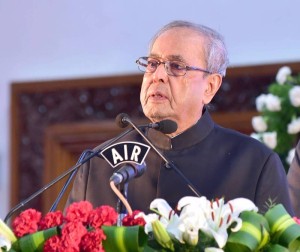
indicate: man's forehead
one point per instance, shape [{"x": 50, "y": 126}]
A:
[
  {"x": 180, "y": 36},
  {"x": 178, "y": 44}
]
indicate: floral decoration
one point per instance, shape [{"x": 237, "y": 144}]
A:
[
  {"x": 278, "y": 125},
  {"x": 79, "y": 230},
  {"x": 196, "y": 224}
]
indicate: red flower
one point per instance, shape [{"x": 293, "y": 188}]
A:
[
  {"x": 92, "y": 241},
  {"x": 26, "y": 222},
  {"x": 79, "y": 211},
  {"x": 71, "y": 235},
  {"x": 50, "y": 220},
  {"x": 52, "y": 244},
  {"x": 103, "y": 215},
  {"x": 131, "y": 220},
  {"x": 74, "y": 236},
  {"x": 68, "y": 249}
]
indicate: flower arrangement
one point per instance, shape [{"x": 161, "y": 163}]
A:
[
  {"x": 79, "y": 230},
  {"x": 278, "y": 125},
  {"x": 197, "y": 224}
]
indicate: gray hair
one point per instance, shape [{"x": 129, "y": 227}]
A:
[{"x": 216, "y": 58}]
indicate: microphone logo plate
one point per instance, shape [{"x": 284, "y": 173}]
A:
[{"x": 124, "y": 152}]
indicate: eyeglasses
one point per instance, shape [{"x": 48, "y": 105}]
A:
[{"x": 173, "y": 68}]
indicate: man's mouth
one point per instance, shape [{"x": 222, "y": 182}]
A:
[{"x": 157, "y": 95}]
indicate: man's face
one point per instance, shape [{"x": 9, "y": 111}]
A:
[{"x": 177, "y": 98}]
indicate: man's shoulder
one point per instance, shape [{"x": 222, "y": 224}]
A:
[{"x": 241, "y": 139}]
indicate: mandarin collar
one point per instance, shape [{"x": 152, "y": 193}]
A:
[{"x": 185, "y": 139}]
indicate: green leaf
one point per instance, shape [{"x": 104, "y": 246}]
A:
[
  {"x": 124, "y": 239},
  {"x": 284, "y": 229},
  {"x": 276, "y": 248},
  {"x": 252, "y": 235},
  {"x": 35, "y": 242}
]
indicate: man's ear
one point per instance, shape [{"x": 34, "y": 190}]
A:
[{"x": 213, "y": 84}]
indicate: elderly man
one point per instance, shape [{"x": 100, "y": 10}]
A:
[{"x": 183, "y": 71}]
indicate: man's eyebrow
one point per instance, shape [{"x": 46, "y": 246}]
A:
[
  {"x": 169, "y": 57},
  {"x": 153, "y": 55},
  {"x": 175, "y": 57}
]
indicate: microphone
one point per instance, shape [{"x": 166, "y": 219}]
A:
[
  {"x": 128, "y": 172},
  {"x": 166, "y": 126},
  {"x": 123, "y": 119}
]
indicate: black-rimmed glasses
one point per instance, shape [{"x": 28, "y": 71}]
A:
[{"x": 173, "y": 68}]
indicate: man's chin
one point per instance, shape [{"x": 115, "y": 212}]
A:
[{"x": 156, "y": 115}]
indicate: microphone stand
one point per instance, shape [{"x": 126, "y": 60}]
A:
[
  {"x": 70, "y": 170},
  {"x": 168, "y": 164},
  {"x": 121, "y": 210},
  {"x": 62, "y": 191}
]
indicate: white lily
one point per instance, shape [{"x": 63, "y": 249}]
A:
[
  {"x": 223, "y": 215},
  {"x": 163, "y": 223},
  {"x": 149, "y": 218},
  {"x": 214, "y": 218},
  {"x": 187, "y": 230},
  {"x": 191, "y": 234},
  {"x": 191, "y": 219},
  {"x": 164, "y": 213}
]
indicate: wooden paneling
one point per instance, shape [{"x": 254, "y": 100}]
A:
[{"x": 36, "y": 106}]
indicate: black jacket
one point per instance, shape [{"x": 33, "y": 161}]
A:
[{"x": 219, "y": 162}]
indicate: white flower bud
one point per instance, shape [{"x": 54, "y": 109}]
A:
[
  {"x": 273, "y": 103},
  {"x": 270, "y": 139},
  {"x": 282, "y": 74},
  {"x": 294, "y": 126},
  {"x": 260, "y": 102},
  {"x": 294, "y": 95},
  {"x": 259, "y": 124},
  {"x": 161, "y": 235},
  {"x": 191, "y": 236}
]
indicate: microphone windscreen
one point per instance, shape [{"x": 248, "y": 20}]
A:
[
  {"x": 167, "y": 126},
  {"x": 121, "y": 120}
]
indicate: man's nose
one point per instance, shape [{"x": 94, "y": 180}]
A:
[{"x": 160, "y": 74}]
